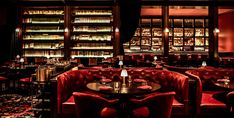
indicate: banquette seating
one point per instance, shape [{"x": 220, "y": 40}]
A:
[
  {"x": 210, "y": 99},
  {"x": 76, "y": 80}
]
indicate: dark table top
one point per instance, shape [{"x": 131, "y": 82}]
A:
[
  {"x": 227, "y": 85},
  {"x": 129, "y": 89}
]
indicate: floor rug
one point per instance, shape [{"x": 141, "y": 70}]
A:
[{"x": 15, "y": 106}]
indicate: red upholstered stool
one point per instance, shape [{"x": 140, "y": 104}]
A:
[
  {"x": 24, "y": 83},
  {"x": 4, "y": 83}
]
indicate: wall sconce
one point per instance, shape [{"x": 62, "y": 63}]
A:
[
  {"x": 166, "y": 30},
  {"x": 66, "y": 29},
  {"x": 216, "y": 30},
  {"x": 17, "y": 30},
  {"x": 17, "y": 56},
  {"x": 116, "y": 29}
]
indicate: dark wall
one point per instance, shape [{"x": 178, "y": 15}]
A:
[
  {"x": 226, "y": 35},
  {"x": 8, "y": 17}
]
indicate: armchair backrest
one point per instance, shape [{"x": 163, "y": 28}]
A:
[
  {"x": 90, "y": 105},
  {"x": 230, "y": 99},
  {"x": 159, "y": 104}
]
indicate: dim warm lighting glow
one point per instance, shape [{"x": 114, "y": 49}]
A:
[
  {"x": 120, "y": 63},
  {"x": 22, "y": 60},
  {"x": 166, "y": 30},
  {"x": 17, "y": 30},
  {"x": 216, "y": 30},
  {"x": 124, "y": 73},
  {"x": 66, "y": 29},
  {"x": 116, "y": 29},
  {"x": 47, "y": 56},
  {"x": 17, "y": 56},
  {"x": 155, "y": 58},
  {"x": 204, "y": 64}
]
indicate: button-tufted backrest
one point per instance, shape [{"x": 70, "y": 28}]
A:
[{"x": 169, "y": 80}]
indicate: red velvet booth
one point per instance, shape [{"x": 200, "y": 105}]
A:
[
  {"x": 156, "y": 105},
  {"x": 230, "y": 99},
  {"x": 206, "y": 100},
  {"x": 76, "y": 80}
]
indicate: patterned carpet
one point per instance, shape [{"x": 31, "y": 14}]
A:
[{"x": 15, "y": 106}]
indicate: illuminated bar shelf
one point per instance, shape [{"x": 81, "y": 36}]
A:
[
  {"x": 43, "y": 31},
  {"x": 92, "y": 32}
]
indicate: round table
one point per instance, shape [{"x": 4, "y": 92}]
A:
[
  {"x": 229, "y": 85},
  {"x": 129, "y": 89}
]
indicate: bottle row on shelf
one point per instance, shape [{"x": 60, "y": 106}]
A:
[
  {"x": 43, "y": 20},
  {"x": 93, "y": 20},
  {"x": 43, "y": 45},
  {"x": 37, "y": 53},
  {"x": 92, "y": 29},
  {"x": 44, "y": 29},
  {"x": 175, "y": 22},
  {"x": 93, "y": 12},
  {"x": 178, "y": 32},
  {"x": 92, "y": 37},
  {"x": 43, "y": 12},
  {"x": 91, "y": 54},
  {"x": 93, "y": 45},
  {"x": 43, "y": 37}
]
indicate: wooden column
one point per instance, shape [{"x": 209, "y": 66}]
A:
[
  {"x": 67, "y": 31},
  {"x": 165, "y": 23},
  {"x": 116, "y": 40},
  {"x": 213, "y": 36}
]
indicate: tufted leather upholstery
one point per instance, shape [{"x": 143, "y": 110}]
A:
[
  {"x": 76, "y": 80},
  {"x": 93, "y": 106},
  {"x": 230, "y": 98},
  {"x": 156, "y": 105},
  {"x": 206, "y": 90}
]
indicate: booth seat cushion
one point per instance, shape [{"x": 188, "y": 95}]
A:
[
  {"x": 108, "y": 113},
  {"x": 209, "y": 100},
  {"x": 69, "y": 106},
  {"x": 2, "y": 78},
  {"x": 26, "y": 80},
  {"x": 141, "y": 112}
]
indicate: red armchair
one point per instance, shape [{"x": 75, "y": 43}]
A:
[
  {"x": 93, "y": 106},
  {"x": 230, "y": 99},
  {"x": 205, "y": 100},
  {"x": 156, "y": 105}
]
